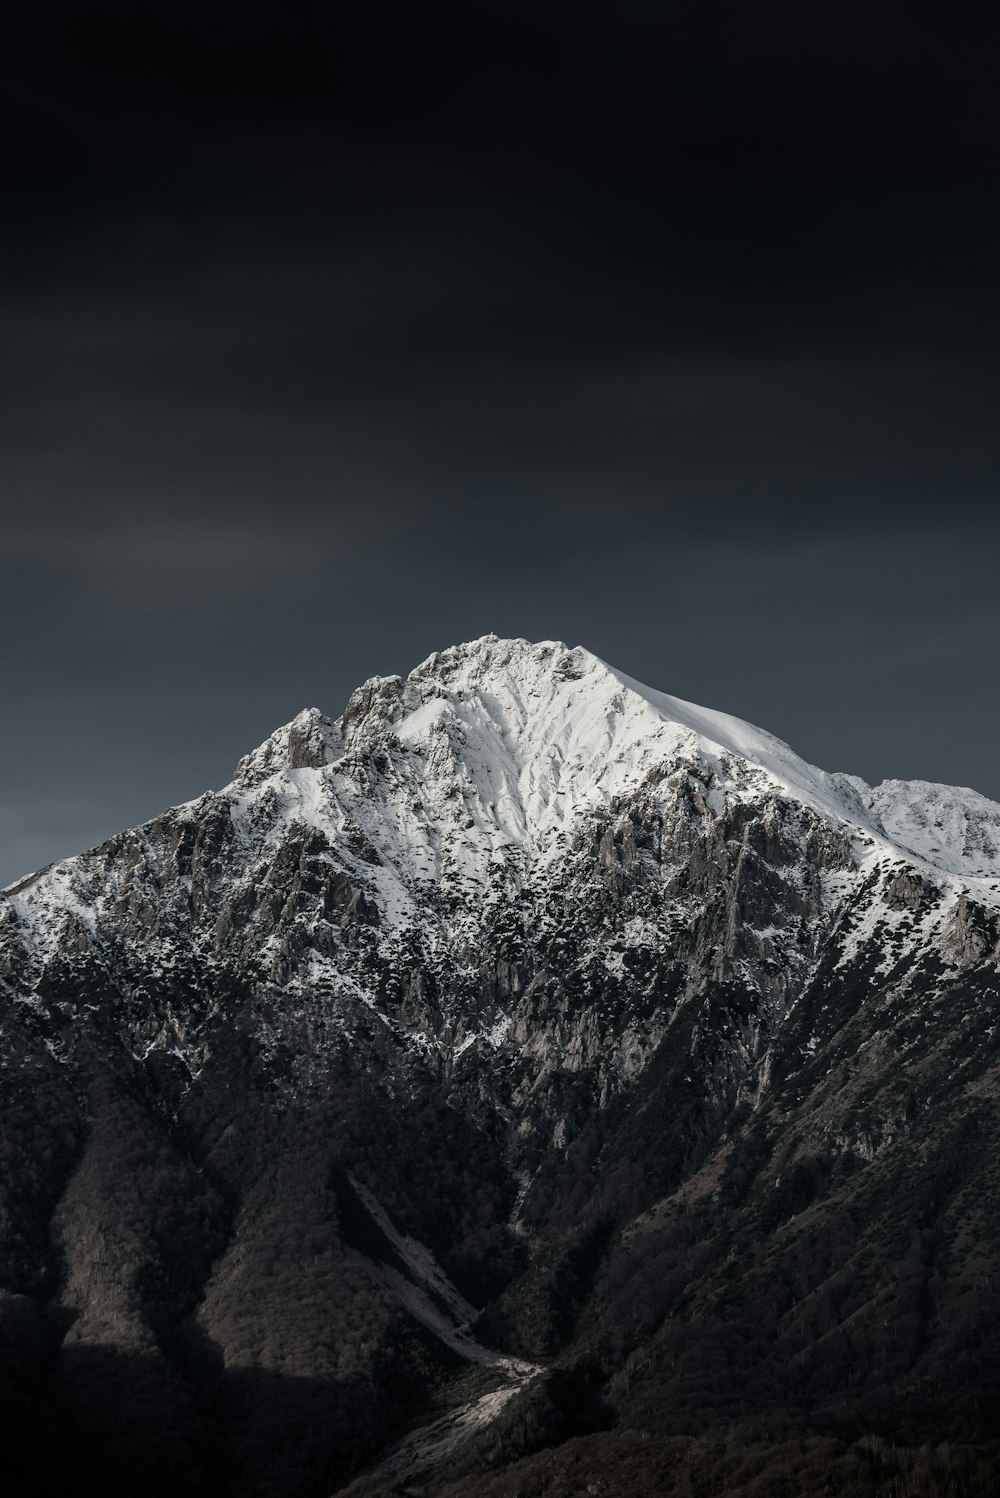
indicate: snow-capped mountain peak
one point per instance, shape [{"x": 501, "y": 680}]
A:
[
  {"x": 494, "y": 767},
  {"x": 535, "y": 732},
  {"x": 507, "y": 742},
  {"x": 497, "y": 749}
]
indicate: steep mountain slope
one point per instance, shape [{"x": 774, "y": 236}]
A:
[{"x": 677, "y": 1052}]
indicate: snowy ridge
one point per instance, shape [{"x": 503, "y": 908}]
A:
[
  {"x": 484, "y": 768},
  {"x": 514, "y": 742},
  {"x": 950, "y": 827}
]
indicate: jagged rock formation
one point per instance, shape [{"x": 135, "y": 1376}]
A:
[{"x": 598, "y": 992}]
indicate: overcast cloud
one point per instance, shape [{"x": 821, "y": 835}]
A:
[{"x": 298, "y": 384}]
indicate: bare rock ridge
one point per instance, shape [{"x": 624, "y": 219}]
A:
[{"x": 653, "y": 1033}]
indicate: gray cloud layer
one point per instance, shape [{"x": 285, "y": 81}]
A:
[{"x": 257, "y": 445}]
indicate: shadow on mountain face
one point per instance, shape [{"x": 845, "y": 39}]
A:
[{"x": 103, "y": 1421}]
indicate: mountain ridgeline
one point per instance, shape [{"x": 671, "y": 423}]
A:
[{"x": 525, "y": 1062}]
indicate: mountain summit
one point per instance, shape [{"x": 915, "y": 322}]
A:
[
  {"x": 523, "y": 992},
  {"x": 538, "y": 735}
]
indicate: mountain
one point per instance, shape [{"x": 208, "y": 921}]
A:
[{"x": 524, "y": 1054}]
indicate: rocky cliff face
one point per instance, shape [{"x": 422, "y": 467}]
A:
[{"x": 533, "y": 951}]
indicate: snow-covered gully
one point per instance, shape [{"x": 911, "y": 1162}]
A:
[
  {"x": 431, "y": 1444},
  {"x": 431, "y": 1298}
]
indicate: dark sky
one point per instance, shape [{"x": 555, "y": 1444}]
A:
[{"x": 329, "y": 340}]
